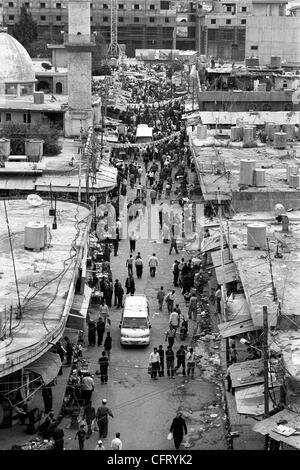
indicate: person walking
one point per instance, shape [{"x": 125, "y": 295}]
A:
[
  {"x": 129, "y": 265},
  {"x": 175, "y": 270},
  {"x": 119, "y": 293},
  {"x": 153, "y": 263},
  {"x": 116, "y": 443},
  {"x": 116, "y": 245},
  {"x": 102, "y": 418},
  {"x": 69, "y": 350},
  {"x": 153, "y": 195},
  {"x": 170, "y": 298},
  {"x": 160, "y": 297},
  {"x": 191, "y": 362},
  {"x": 130, "y": 285},
  {"x": 99, "y": 446},
  {"x": 218, "y": 297},
  {"x": 173, "y": 245},
  {"x": 108, "y": 344},
  {"x": 177, "y": 428},
  {"x": 87, "y": 387},
  {"x": 170, "y": 335},
  {"x": 139, "y": 267},
  {"x": 154, "y": 362},
  {"x": 180, "y": 355},
  {"x": 103, "y": 361},
  {"x": 193, "y": 307},
  {"x": 170, "y": 358},
  {"x": 104, "y": 312},
  {"x": 100, "y": 327},
  {"x": 89, "y": 415},
  {"x": 81, "y": 435},
  {"x": 174, "y": 320},
  {"x": 161, "y": 353},
  {"x": 58, "y": 437},
  {"x": 132, "y": 242}
]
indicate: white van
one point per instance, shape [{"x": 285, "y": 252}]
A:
[{"x": 135, "y": 323}]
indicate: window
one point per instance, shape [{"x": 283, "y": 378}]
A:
[
  {"x": 136, "y": 6},
  {"x": 228, "y": 21},
  {"x": 27, "y": 118},
  {"x": 164, "y": 5},
  {"x": 91, "y": 19},
  {"x": 228, "y": 8},
  {"x": 121, "y": 6},
  {"x": 152, "y": 7},
  {"x": 192, "y": 18},
  {"x": 11, "y": 4},
  {"x": 254, "y": 48},
  {"x": 152, "y": 19},
  {"x": 167, "y": 20},
  {"x": 58, "y": 18},
  {"x": 244, "y": 9},
  {"x": 42, "y": 5},
  {"x": 8, "y": 117},
  {"x": 243, "y": 21},
  {"x": 121, "y": 19},
  {"x": 136, "y": 20},
  {"x": 91, "y": 5},
  {"x": 26, "y": 4},
  {"x": 213, "y": 21},
  {"x": 43, "y": 18},
  {"x": 105, "y": 6},
  {"x": 105, "y": 19},
  {"x": 11, "y": 17},
  {"x": 58, "y": 5}
]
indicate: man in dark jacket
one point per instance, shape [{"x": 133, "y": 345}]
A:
[
  {"x": 177, "y": 427},
  {"x": 130, "y": 285},
  {"x": 92, "y": 333},
  {"x": 108, "y": 344},
  {"x": 119, "y": 293},
  {"x": 89, "y": 415},
  {"x": 58, "y": 437},
  {"x": 181, "y": 359},
  {"x": 161, "y": 353},
  {"x": 170, "y": 357},
  {"x": 103, "y": 361},
  {"x": 100, "y": 330}
]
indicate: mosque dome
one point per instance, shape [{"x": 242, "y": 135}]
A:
[{"x": 16, "y": 64}]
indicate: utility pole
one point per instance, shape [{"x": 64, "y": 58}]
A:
[
  {"x": 271, "y": 272},
  {"x": 266, "y": 367},
  {"x": 222, "y": 252}
]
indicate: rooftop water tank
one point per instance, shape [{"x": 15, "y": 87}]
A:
[
  {"x": 4, "y": 148},
  {"x": 291, "y": 170},
  {"x": 34, "y": 149},
  {"x": 259, "y": 177},
  {"x": 248, "y": 136},
  {"x": 35, "y": 236},
  {"x": 280, "y": 139},
  {"x": 294, "y": 181},
  {"x": 256, "y": 235},
  {"x": 201, "y": 132},
  {"x": 236, "y": 133},
  {"x": 290, "y": 131},
  {"x": 247, "y": 168}
]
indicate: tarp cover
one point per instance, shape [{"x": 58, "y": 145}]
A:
[
  {"x": 47, "y": 366},
  {"x": 78, "y": 311}
]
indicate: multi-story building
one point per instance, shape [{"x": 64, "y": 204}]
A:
[{"x": 142, "y": 24}]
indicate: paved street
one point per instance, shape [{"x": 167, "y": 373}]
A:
[{"x": 143, "y": 409}]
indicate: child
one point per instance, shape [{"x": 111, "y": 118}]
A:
[{"x": 81, "y": 437}]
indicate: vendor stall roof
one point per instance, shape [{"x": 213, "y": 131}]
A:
[
  {"x": 250, "y": 400},
  {"x": 47, "y": 366},
  {"x": 269, "y": 425},
  {"x": 78, "y": 312},
  {"x": 236, "y": 327}
]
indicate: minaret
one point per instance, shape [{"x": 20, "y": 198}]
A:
[{"x": 79, "y": 46}]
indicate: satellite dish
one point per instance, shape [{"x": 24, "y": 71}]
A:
[
  {"x": 34, "y": 200},
  {"x": 92, "y": 198}
]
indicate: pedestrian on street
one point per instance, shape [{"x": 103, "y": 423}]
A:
[
  {"x": 181, "y": 359},
  {"x": 153, "y": 194},
  {"x": 103, "y": 361},
  {"x": 160, "y": 215},
  {"x": 130, "y": 285},
  {"x": 100, "y": 446},
  {"x": 174, "y": 320},
  {"x": 154, "y": 363},
  {"x": 173, "y": 245},
  {"x": 104, "y": 312},
  {"x": 129, "y": 265},
  {"x": 161, "y": 353},
  {"x": 58, "y": 437},
  {"x": 116, "y": 245},
  {"x": 177, "y": 428},
  {"x": 108, "y": 344},
  {"x": 160, "y": 297},
  {"x": 153, "y": 263},
  {"x": 81, "y": 435},
  {"x": 139, "y": 190},
  {"x": 193, "y": 307},
  {"x": 102, "y": 418},
  {"x": 47, "y": 398},
  {"x": 116, "y": 443},
  {"x": 170, "y": 358},
  {"x": 191, "y": 362},
  {"x": 100, "y": 327},
  {"x": 89, "y": 415},
  {"x": 87, "y": 387},
  {"x": 139, "y": 266},
  {"x": 170, "y": 298},
  {"x": 132, "y": 242},
  {"x": 170, "y": 335},
  {"x": 218, "y": 297},
  {"x": 119, "y": 293},
  {"x": 175, "y": 270},
  {"x": 69, "y": 350}
]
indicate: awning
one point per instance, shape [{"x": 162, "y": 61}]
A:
[
  {"x": 78, "y": 312},
  {"x": 18, "y": 183},
  {"x": 47, "y": 366},
  {"x": 217, "y": 257},
  {"x": 212, "y": 243},
  {"x": 228, "y": 273},
  {"x": 250, "y": 400},
  {"x": 270, "y": 426},
  {"x": 236, "y": 327}
]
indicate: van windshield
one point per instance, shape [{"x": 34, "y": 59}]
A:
[{"x": 135, "y": 323}]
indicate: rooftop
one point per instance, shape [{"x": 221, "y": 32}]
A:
[{"x": 45, "y": 278}]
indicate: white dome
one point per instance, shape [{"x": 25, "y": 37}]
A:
[{"x": 16, "y": 64}]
